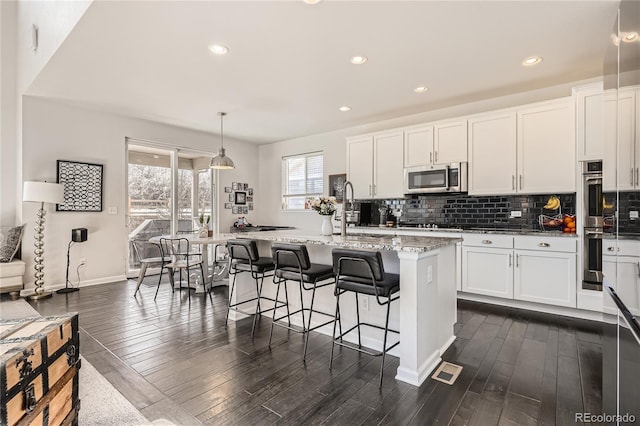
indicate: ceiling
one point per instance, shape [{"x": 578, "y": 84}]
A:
[{"x": 288, "y": 70}]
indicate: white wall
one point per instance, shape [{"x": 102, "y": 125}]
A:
[
  {"x": 334, "y": 147},
  {"x": 20, "y": 65},
  {"x": 53, "y": 131}
]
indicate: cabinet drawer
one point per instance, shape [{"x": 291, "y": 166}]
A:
[
  {"x": 621, "y": 248},
  {"x": 487, "y": 240},
  {"x": 545, "y": 243}
]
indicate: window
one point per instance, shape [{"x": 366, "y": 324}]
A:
[{"x": 302, "y": 179}]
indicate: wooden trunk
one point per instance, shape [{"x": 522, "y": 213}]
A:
[{"x": 39, "y": 362}]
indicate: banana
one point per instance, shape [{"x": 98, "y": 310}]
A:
[
  {"x": 553, "y": 203},
  {"x": 606, "y": 205}
]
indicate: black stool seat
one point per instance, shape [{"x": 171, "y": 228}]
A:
[
  {"x": 315, "y": 272},
  {"x": 293, "y": 264},
  {"x": 243, "y": 254},
  {"x": 263, "y": 264},
  {"x": 362, "y": 272}
]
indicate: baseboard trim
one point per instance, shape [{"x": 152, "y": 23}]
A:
[
  {"x": 87, "y": 283},
  {"x": 535, "y": 307}
]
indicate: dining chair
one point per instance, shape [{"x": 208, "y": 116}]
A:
[
  {"x": 181, "y": 258},
  {"x": 148, "y": 254}
]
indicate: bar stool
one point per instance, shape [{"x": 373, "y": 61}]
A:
[
  {"x": 292, "y": 264},
  {"x": 244, "y": 257},
  {"x": 362, "y": 272}
]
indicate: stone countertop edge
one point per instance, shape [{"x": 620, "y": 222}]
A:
[
  {"x": 404, "y": 243},
  {"x": 471, "y": 231}
]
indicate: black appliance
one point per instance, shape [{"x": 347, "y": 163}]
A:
[
  {"x": 366, "y": 214},
  {"x": 593, "y": 225}
]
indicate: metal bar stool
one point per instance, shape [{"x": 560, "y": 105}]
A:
[
  {"x": 292, "y": 264},
  {"x": 244, "y": 257},
  {"x": 362, "y": 272},
  {"x": 181, "y": 258}
]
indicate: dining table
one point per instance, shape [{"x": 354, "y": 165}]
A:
[{"x": 214, "y": 240}]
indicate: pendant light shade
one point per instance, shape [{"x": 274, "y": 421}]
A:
[{"x": 221, "y": 161}]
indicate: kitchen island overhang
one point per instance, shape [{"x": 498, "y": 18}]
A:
[{"x": 426, "y": 312}]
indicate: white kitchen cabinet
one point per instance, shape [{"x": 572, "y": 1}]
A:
[
  {"x": 625, "y": 161},
  {"x": 439, "y": 143},
  {"x": 545, "y": 277},
  {"x": 375, "y": 165},
  {"x": 623, "y": 272},
  {"x": 360, "y": 165},
  {"x": 418, "y": 146},
  {"x": 546, "y": 148},
  {"x": 589, "y": 121},
  {"x": 492, "y": 154},
  {"x": 450, "y": 142},
  {"x": 487, "y": 271},
  {"x": 388, "y": 174}
]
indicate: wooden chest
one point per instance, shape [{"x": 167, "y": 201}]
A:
[{"x": 39, "y": 362}]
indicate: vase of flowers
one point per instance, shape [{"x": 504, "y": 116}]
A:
[
  {"x": 204, "y": 225},
  {"x": 325, "y": 207}
]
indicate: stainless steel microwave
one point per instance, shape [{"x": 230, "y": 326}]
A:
[{"x": 444, "y": 178}]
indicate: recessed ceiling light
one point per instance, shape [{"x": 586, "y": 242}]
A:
[
  {"x": 358, "y": 60},
  {"x": 345, "y": 108},
  {"x": 218, "y": 49},
  {"x": 421, "y": 89},
  {"x": 312, "y": 1},
  {"x": 532, "y": 60},
  {"x": 156, "y": 156},
  {"x": 630, "y": 37}
]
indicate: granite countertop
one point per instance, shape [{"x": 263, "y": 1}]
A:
[
  {"x": 373, "y": 242},
  {"x": 531, "y": 232}
]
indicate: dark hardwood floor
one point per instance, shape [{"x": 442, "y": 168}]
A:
[{"x": 182, "y": 364}]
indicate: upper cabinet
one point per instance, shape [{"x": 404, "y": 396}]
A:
[
  {"x": 530, "y": 150},
  {"x": 589, "y": 121},
  {"x": 439, "y": 143},
  {"x": 450, "y": 142},
  {"x": 546, "y": 148},
  {"x": 375, "y": 165},
  {"x": 492, "y": 154},
  {"x": 621, "y": 166}
]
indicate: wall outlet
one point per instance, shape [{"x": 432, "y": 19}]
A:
[
  {"x": 112, "y": 210},
  {"x": 633, "y": 214},
  {"x": 515, "y": 213}
]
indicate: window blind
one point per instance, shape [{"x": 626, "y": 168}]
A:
[{"x": 302, "y": 180}]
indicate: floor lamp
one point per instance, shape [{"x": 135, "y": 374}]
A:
[{"x": 41, "y": 192}]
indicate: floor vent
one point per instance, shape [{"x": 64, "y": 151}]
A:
[{"x": 447, "y": 373}]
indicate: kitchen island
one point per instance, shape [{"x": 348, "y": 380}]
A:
[{"x": 424, "y": 315}]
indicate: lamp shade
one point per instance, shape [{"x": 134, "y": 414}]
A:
[
  {"x": 221, "y": 161},
  {"x": 43, "y": 192}
]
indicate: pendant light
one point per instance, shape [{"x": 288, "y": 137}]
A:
[{"x": 221, "y": 161}]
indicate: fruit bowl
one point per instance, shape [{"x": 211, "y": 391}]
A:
[{"x": 547, "y": 222}]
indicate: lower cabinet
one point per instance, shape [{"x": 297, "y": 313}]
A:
[
  {"x": 545, "y": 277},
  {"x": 541, "y": 270},
  {"x": 623, "y": 272},
  {"x": 487, "y": 271}
]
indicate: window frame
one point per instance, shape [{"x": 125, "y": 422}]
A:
[{"x": 285, "y": 181}]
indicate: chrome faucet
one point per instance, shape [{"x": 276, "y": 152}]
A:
[{"x": 343, "y": 217}]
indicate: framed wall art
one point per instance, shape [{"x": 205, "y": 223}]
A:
[
  {"x": 82, "y": 186},
  {"x": 336, "y": 184},
  {"x": 241, "y": 198}
]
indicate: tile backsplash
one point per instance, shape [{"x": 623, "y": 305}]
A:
[
  {"x": 629, "y": 202},
  {"x": 466, "y": 211}
]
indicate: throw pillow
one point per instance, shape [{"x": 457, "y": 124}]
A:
[{"x": 10, "y": 243}]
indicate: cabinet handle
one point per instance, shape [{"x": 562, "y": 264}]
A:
[
  {"x": 487, "y": 242},
  {"x": 373, "y": 190},
  {"x": 517, "y": 260},
  {"x": 510, "y": 259},
  {"x": 431, "y": 157},
  {"x": 520, "y": 181},
  {"x": 632, "y": 173},
  {"x": 436, "y": 156},
  {"x": 639, "y": 269},
  {"x": 369, "y": 189},
  {"x": 544, "y": 245},
  {"x": 513, "y": 182},
  {"x": 637, "y": 176}
]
